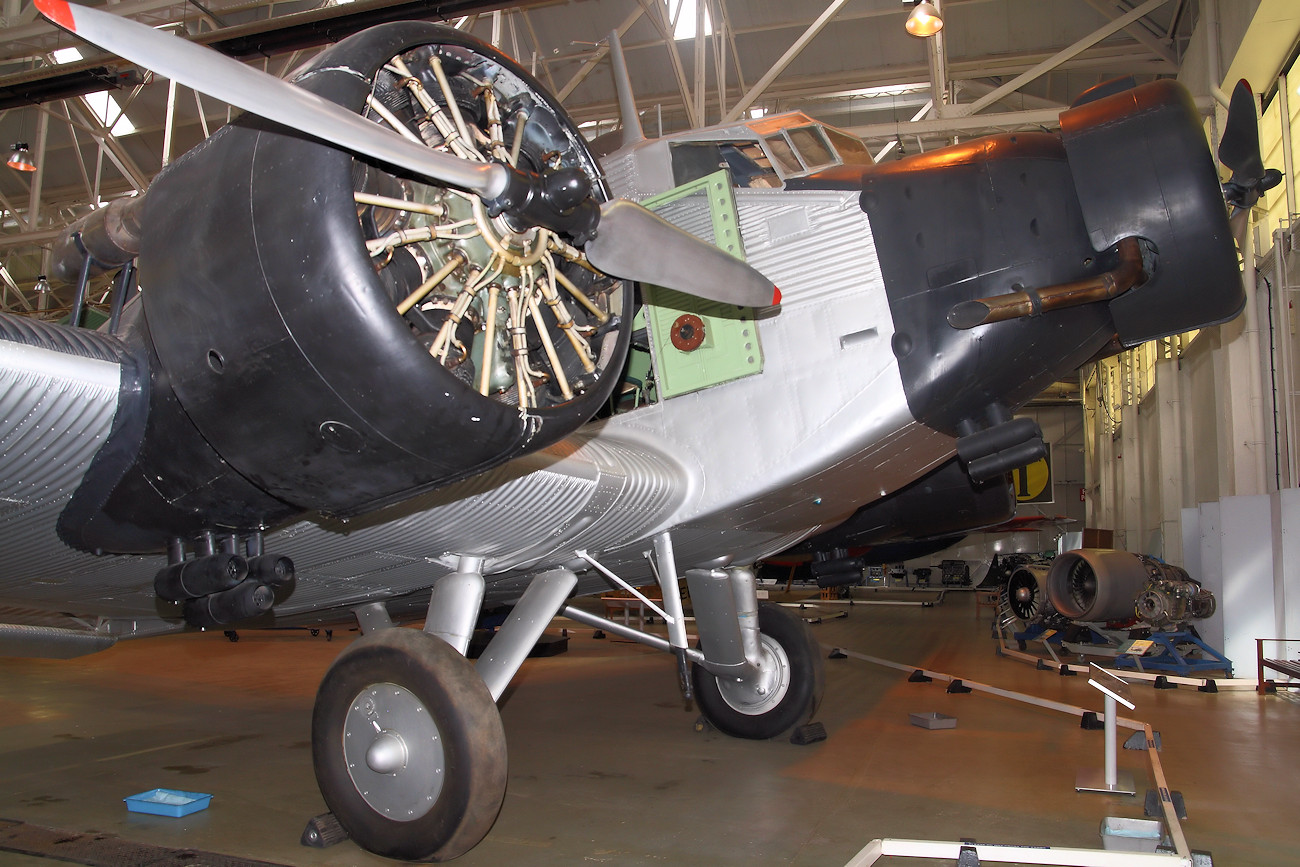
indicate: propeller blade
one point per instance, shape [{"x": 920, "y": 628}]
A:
[
  {"x": 1239, "y": 145},
  {"x": 634, "y": 243},
  {"x": 265, "y": 95}
]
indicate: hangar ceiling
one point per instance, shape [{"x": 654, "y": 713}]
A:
[{"x": 997, "y": 65}]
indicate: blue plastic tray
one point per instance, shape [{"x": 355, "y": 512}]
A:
[{"x": 168, "y": 802}]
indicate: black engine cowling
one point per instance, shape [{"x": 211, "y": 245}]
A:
[{"x": 277, "y": 375}]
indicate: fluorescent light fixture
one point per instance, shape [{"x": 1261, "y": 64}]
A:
[{"x": 756, "y": 112}]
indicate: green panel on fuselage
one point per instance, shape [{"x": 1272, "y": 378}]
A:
[{"x": 698, "y": 343}]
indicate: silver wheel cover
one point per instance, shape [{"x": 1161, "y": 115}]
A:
[
  {"x": 762, "y": 692},
  {"x": 393, "y": 752}
]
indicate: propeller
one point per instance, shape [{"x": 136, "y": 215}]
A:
[
  {"x": 622, "y": 239},
  {"x": 1239, "y": 151}
]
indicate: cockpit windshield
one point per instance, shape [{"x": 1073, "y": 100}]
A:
[{"x": 782, "y": 153}]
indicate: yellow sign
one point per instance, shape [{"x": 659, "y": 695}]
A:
[{"x": 1033, "y": 484}]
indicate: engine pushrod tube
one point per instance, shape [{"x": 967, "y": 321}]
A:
[{"x": 1031, "y": 302}]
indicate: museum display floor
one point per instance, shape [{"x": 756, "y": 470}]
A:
[{"x": 606, "y": 765}]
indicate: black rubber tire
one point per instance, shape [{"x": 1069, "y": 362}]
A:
[
  {"x": 473, "y": 742},
  {"x": 802, "y": 695}
]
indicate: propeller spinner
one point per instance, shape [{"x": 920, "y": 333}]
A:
[{"x": 622, "y": 239}]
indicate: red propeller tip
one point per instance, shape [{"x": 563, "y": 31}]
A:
[
  {"x": 776, "y": 296},
  {"x": 59, "y": 12}
]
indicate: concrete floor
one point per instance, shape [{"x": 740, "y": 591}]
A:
[{"x": 606, "y": 767}]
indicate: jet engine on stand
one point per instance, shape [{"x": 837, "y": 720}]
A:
[{"x": 1131, "y": 607}]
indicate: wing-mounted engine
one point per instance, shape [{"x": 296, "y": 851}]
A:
[
  {"x": 325, "y": 334},
  {"x": 1141, "y": 170},
  {"x": 1038, "y": 250}
]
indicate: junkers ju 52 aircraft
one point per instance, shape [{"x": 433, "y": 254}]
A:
[{"x": 378, "y": 314}]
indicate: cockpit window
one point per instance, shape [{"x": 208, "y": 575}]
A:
[
  {"x": 746, "y": 162},
  {"x": 786, "y": 159},
  {"x": 851, "y": 150},
  {"x": 749, "y": 165},
  {"x": 812, "y": 147}
]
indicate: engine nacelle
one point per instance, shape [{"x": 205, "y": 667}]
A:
[{"x": 317, "y": 333}]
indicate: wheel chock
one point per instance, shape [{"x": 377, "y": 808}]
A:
[
  {"x": 836, "y": 653},
  {"x": 1138, "y": 741},
  {"x": 809, "y": 733},
  {"x": 956, "y": 687},
  {"x": 1065, "y": 671},
  {"x": 701, "y": 724},
  {"x": 1208, "y": 686},
  {"x": 323, "y": 831},
  {"x": 1152, "y": 808},
  {"x": 1091, "y": 722},
  {"x": 1042, "y": 666},
  {"x": 1162, "y": 682},
  {"x": 598, "y": 634},
  {"x": 919, "y": 676}
]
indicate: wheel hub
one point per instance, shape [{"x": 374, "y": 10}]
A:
[
  {"x": 387, "y": 755},
  {"x": 393, "y": 751},
  {"x": 766, "y": 688}
]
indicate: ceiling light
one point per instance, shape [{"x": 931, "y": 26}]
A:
[
  {"x": 21, "y": 158},
  {"x": 42, "y": 286},
  {"x": 924, "y": 19}
]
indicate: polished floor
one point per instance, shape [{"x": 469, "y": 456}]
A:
[{"x": 606, "y": 765}]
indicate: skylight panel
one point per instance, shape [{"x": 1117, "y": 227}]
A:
[
  {"x": 104, "y": 106},
  {"x": 683, "y": 13}
]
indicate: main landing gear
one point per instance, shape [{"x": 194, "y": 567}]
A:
[
  {"x": 408, "y": 747},
  {"x": 784, "y": 690},
  {"x": 407, "y": 743}
]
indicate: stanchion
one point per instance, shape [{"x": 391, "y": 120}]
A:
[{"x": 1109, "y": 780}]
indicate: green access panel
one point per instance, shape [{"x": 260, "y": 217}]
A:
[{"x": 699, "y": 343}]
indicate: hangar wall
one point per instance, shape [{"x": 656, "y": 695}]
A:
[{"x": 1192, "y": 443}]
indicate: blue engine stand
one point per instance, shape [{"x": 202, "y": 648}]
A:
[{"x": 1170, "y": 659}]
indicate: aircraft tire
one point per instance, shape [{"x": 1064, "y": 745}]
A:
[
  {"x": 792, "y": 682},
  {"x": 386, "y": 694}
]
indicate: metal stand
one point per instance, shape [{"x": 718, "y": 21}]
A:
[
  {"x": 1170, "y": 658},
  {"x": 1109, "y": 780}
]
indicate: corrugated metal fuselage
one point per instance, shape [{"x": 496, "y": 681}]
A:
[{"x": 736, "y": 471}]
